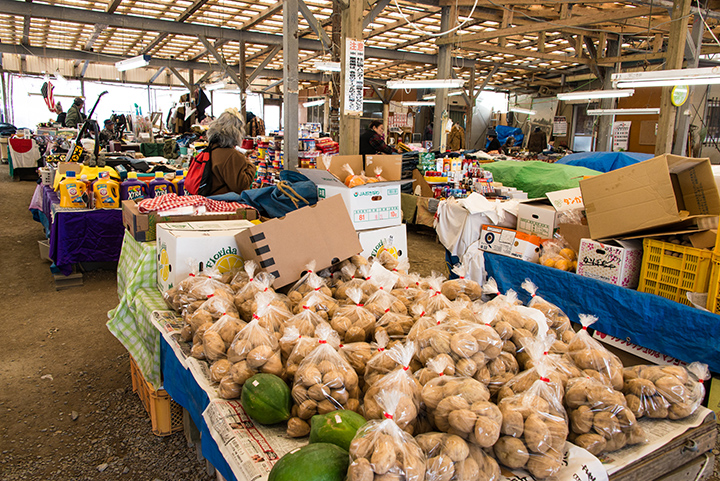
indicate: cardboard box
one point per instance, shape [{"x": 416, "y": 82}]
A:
[
  {"x": 193, "y": 246},
  {"x": 509, "y": 242},
  {"x": 616, "y": 262},
  {"x": 391, "y": 166},
  {"x": 537, "y": 217},
  {"x": 664, "y": 192},
  {"x": 284, "y": 246},
  {"x": 573, "y": 234},
  {"x": 390, "y": 239},
  {"x": 371, "y": 206},
  {"x": 143, "y": 226}
]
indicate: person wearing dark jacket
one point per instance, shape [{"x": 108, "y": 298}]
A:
[
  {"x": 537, "y": 141},
  {"x": 494, "y": 145},
  {"x": 372, "y": 141},
  {"x": 231, "y": 171},
  {"x": 74, "y": 116}
]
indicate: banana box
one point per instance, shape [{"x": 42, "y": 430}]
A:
[
  {"x": 392, "y": 240},
  {"x": 188, "y": 247}
]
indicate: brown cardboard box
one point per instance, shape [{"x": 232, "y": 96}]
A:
[
  {"x": 391, "y": 166},
  {"x": 573, "y": 234},
  {"x": 659, "y": 193},
  {"x": 142, "y": 226},
  {"x": 284, "y": 246}
]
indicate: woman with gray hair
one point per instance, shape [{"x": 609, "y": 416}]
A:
[{"x": 231, "y": 172}]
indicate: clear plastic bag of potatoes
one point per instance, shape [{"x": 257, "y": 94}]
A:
[
  {"x": 306, "y": 321},
  {"x": 492, "y": 293},
  {"x": 451, "y": 458},
  {"x": 557, "y": 319},
  {"x": 217, "y": 305},
  {"x": 659, "y": 392},
  {"x": 245, "y": 298},
  {"x": 592, "y": 358},
  {"x": 254, "y": 350},
  {"x": 271, "y": 312},
  {"x": 401, "y": 380},
  {"x": 381, "y": 362},
  {"x": 462, "y": 287},
  {"x": 382, "y": 300},
  {"x": 218, "y": 337},
  {"x": 298, "y": 347},
  {"x": 357, "y": 354},
  {"x": 324, "y": 381},
  {"x": 396, "y": 325},
  {"x": 353, "y": 322},
  {"x": 382, "y": 450},
  {"x": 192, "y": 291},
  {"x": 349, "y": 279},
  {"x": 433, "y": 300},
  {"x": 317, "y": 299},
  {"x": 309, "y": 282},
  {"x": 600, "y": 420},
  {"x": 534, "y": 427},
  {"x": 461, "y": 406}
]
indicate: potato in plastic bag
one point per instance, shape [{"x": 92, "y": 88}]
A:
[
  {"x": 227, "y": 327},
  {"x": 557, "y": 319},
  {"x": 245, "y": 298},
  {"x": 382, "y": 301},
  {"x": 271, "y": 312},
  {"x": 395, "y": 324},
  {"x": 461, "y": 287},
  {"x": 381, "y": 450},
  {"x": 401, "y": 379},
  {"x": 658, "y": 392},
  {"x": 353, "y": 322},
  {"x": 318, "y": 299},
  {"x": 595, "y": 408},
  {"x": 299, "y": 346},
  {"x": 255, "y": 350},
  {"x": 589, "y": 355},
  {"x": 433, "y": 300},
  {"x": 218, "y": 306},
  {"x": 351, "y": 278},
  {"x": 308, "y": 283},
  {"x": 381, "y": 362},
  {"x": 451, "y": 458}
]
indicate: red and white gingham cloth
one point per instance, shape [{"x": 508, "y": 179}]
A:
[{"x": 173, "y": 201}]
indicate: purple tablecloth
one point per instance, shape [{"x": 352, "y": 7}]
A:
[{"x": 83, "y": 235}]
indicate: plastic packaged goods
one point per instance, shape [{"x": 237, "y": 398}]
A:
[
  {"x": 72, "y": 191},
  {"x": 394, "y": 324},
  {"x": 600, "y": 420},
  {"x": 424, "y": 321},
  {"x": 382, "y": 450},
  {"x": 451, "y": 458},
  {"x": 382, "y": 300},
  {"x": 433, "y": 300},
  {"x": 658, "y": 392},
  {"x": 243, "y": 276},
  {"x": 557, "y": 253},
  {"x": 557, "y": 319},
  {"x": 218, "y": 305},
  {"x": 159, "y": 186},
  {"x": 354, "y": 322},
  {"x": 381, "y": 362},
  {"x": 534, "y": 428},
  {"x": 402, "y": 381},
  {"x": 461, "y": 287},
  {"x": 594, "y": 360},
  {"x": 324, "y": 381},
  {"x": 317, "y": 298},
  {"x": 245, "y": 298},
  {"x": 302, "y": 287},
  {"x": 357, "y": 354},
  {"x": 295, "y": 347},
  {"x": 133, "y": 189},
  {"x": 192, "y": 291},
  {"x": 271, "y": 312},
  {"x": 306, "y": 321},
  {"x": 352, "y": 179},
  {"x": 350, "y": 278}
]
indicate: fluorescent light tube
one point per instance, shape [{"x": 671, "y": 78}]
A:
[
  {"x": 522, "y": 111},
  {"x": 215, "y": 86},
  {"x": 649, "y": 111},
  {"x": 59, "y": 77},
  {"x": 668, "y": 78},
  {"x": 372, "y": 101},
  {"x": 314, "y": 103},
  {"x": 596, "y": 94},
  {"x": 328, "y": 66},
  {"x": 453, "y": 93},
  {"x": 426, "y": 84},
  {"x": 134, "y": 62},
  {"x": 417, "y": 103}
]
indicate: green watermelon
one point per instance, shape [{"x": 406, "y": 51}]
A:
[
  {"x": 266, "y": 399},
  {"x": 314, "y": 462},
  {"x": 336, "y": 427}
]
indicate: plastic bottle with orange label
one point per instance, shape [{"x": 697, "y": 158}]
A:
[
  {"x": 72, "y": 191},
  {"x": 106, "y": 192}
]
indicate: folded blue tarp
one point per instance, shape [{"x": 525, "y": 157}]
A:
[{"x": 604, "y": 161}]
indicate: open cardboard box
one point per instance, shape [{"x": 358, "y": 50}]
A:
[{"x": 667, "y": 192}]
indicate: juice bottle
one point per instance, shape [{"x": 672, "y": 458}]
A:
[
  {"x": 133, "y": 189},
  {"x": 72, "y": 191},
  {"x": 159, "y": 186},
  {"x": 106, "y": 192},
  {"x": 179, "y": 182}
]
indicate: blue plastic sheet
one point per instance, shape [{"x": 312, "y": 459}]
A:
[
  {"x": 503, "y": 132},
  {"x": 644, "y": 319},
  {"x": 604, "y": 161}
]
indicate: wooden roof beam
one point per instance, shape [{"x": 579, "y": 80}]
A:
[
  {"x": 114, "y": 4},
  {"x": 221, "y": 61},
  {"x": 391, "y": 26},
  {"x": 180, "y": 77},
  {"x": 526, "y": 53},
  {"x": 263, "y": 64},
  {"x": 218, "y": 43},
  {"x": 374, "y": 12},
  {"x": 262, "y": 16},
  {"x": 314, "y": 24}
]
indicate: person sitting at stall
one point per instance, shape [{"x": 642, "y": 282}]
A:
[
  {"x": 537, "y": 142},
  {"x": 508, "y": 145},
  {"x": 494, "y": 146},
  {"x": 372, "y": 141},
  {"x": 231, "y": 171},
  {"x": 74, "y": 114},
  {"x": 255, "y": 125},
  {"x": 107, "y": 133},
  {"x": 429, "y": 132},
  {"x": 61, "y": 114}
]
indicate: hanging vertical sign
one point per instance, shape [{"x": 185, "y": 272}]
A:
[
  {"x": 559, "y": 126},
  {"x": 620, "y": 136},
  {"x": 354, "y": 76}
]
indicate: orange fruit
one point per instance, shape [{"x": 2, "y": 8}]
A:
[
  {"x": 563, "y": 264},
  {"x": 568, "y": 254},
  {"x": 549, "y": 262}
]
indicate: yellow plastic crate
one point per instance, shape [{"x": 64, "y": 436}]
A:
[
  {"x": 713, "y": 300},
  {"x": 166, "y": 415},
  {"x": 671, "y": 270}
]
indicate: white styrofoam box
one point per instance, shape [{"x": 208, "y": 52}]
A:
[
  {"x": 371, "y": 206},
  {"x": 390, "y": 239},
  {"x": 618, "y": 264},
  {"x": 187, "y": 247}
]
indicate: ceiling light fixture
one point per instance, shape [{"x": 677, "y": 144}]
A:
[
  {"x": 668, "y": 78},
  {"x": 215, "y": 86},
  {"x": 372, "y": 101},
  {"x": 328, "y": 66},
  {"x": 596, "y": 94},
  {"x": 648, "y": 111},
  {"x": 314, "y": 103},
  {"x": 417, "y": 103},
  {"x": 521, "y": 110},
  {"x": 134, "y": 62},
  {"x": 426, "y": 84}
]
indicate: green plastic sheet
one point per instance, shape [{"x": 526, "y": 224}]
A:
[{"x": 537, "y": 178}]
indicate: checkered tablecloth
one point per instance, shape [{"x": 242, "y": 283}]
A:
[{"x": 130, "y": 321}]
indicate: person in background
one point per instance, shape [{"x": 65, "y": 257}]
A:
[
  {"x": 429, "y": 131},
  {"x": 61, "y": 114},
  {"x": 74, "y": 115},
  {"x": 231, "y": 171},
  {"x": 255, "y": 125},
  {"x": 372, "y": 141},
  {"x": 494, "y": 145},
  {"x": 107, "y": 133},
  {"x": 537, "y": 142}
]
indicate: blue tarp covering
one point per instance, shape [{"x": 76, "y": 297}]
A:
[
  {"x": 604, "y": 161},
  {"x": 644, "y": 319},
  {"x": 503, "y": 132}
]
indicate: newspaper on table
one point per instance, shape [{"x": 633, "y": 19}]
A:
[
  {"x": 250, "y": 449},
  {"x": 578, "y": 465}
]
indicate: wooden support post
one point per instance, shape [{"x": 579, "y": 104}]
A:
[
  {"x": 469, "y": 109},
  {"x": 541, "y": 42},
  {"x": 507, "y": 19},
  {"x": 602, "y": 45},
  {"x": 351, "y": 21},
  {"x": 290, "y": 74},
  {"x": 675, "y": 53},
  {"x": 243, "y": 81},
  {"x": 443, "y": 72},
  {"x": 692, "y": 55},
  {"x": 658, "y": 42}
]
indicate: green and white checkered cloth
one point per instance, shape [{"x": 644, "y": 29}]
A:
[{"x": 130, "y": 321}]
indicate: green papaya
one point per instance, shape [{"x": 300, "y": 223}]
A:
[
  {"x": 336, "y": 427},
  {"x": 266, "y": 399},
  {"x": 314, "y": 462}
]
